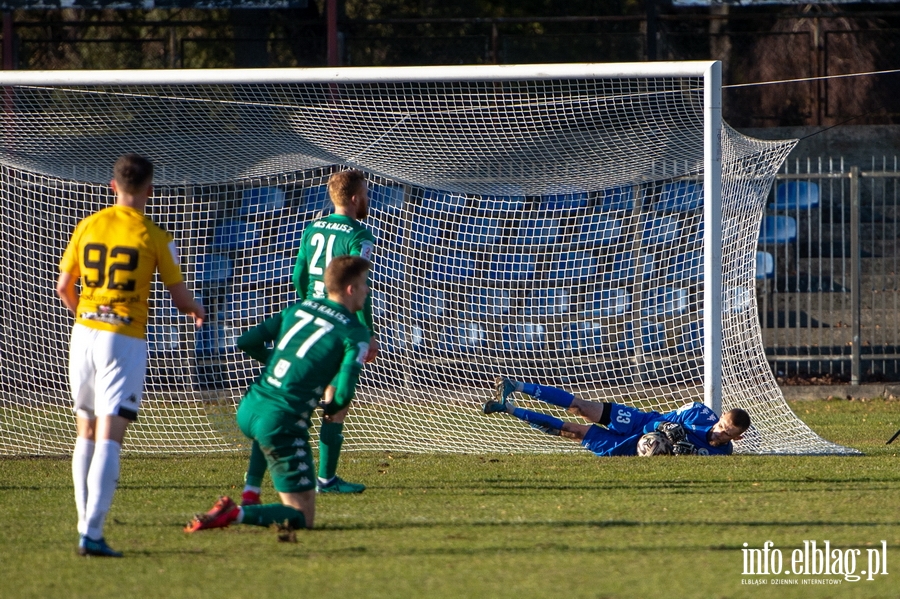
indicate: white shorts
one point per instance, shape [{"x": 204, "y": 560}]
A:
[{"x": 106, "y": 373}]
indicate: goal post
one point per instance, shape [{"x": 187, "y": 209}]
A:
[{"x": 589, "y": 226}]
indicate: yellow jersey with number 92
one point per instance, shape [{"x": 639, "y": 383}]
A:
[{"x": 115, "y": 252}]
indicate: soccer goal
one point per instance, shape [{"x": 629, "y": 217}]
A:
[{"x": 590, "y": 226}]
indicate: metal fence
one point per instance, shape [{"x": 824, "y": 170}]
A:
[{"x": 827, "y": 271}]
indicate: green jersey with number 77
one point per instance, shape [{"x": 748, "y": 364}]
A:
[{"x": 316, "y": 343}]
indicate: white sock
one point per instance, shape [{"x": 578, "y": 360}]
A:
[
  {"x": 101, "y": 481},
  {"x": 81, "y": 463},
  {"x": 256, "y": 490}
]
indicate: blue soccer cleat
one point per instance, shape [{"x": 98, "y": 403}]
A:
[{"x": 99, "y": 548}]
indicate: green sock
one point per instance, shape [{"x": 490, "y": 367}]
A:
[
  {"x": 330, "y": 441},
  {"x": 256, "y": 469},
  {"x": 273, "y": 513}
]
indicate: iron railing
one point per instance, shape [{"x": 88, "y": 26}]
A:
[{"x": 831, "y": 304}]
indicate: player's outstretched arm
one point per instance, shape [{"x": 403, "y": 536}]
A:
[
  {"x": 184, "y": 300},
  {"x": 254, "y": 342}
]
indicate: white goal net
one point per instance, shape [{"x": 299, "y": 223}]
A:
[{"x": 543, "y": 223}]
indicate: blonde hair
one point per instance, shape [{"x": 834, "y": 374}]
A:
[{"x": 344, "y": 185}]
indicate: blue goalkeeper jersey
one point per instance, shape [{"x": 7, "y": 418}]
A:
[{"x": 696, "y": 419}]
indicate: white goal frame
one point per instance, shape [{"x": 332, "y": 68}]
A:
[{"x": 714, "y": 265}]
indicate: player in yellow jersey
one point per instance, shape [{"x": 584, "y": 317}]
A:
[{"x": 114, "y": 253}]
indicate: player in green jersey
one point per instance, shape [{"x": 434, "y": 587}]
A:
[
  {"x": 317, "y": 343},
  {"x": 338, "y": 234}
]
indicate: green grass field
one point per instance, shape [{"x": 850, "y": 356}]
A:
[{"x": 522, "y": 526}]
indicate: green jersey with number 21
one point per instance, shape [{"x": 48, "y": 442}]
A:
[
  {"x": 322, "y": 240},
  {"x": 316, "y": 343}
]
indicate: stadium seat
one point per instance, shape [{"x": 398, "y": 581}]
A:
[
  {"x": 478, "y": 230},
  {"x": 214, "y": 338},
  {"x": 616, "y": 199},
  {"x": 502, "y": 204},
  {"x": 466, "y": 336},
  {"x": 607, "y": 302},
  {"x": 390, "y": 340},
  {"x": 765, "y": 265},
  {"x": 386, "y": 199},
  {"x": 315, "y": 200},
  {"x": 428, "y": 303},
  {"x": 689, "y": 339},
  {"x": 258, "y": 201},
  {"x": 778, "y": 229},
  {"x": 427, "y": 231},
  {"x": 684, "y": 267},
  {"x": 537, "y": 232},
  {"x": 410, "y": 338},
  {"x": 214, "y": 269},
  {"x": 595, "y": 337},
  {"x": 287, "y": 235},
  {"x": 599, "y": 229},
  {"x": 619, "y": 268},
  {"x": 565, "y": 203},
  {"x": 492, "y": 301},
  {"x": 266, "y": 268},
  {"x": 387, "y": 271},
  {"x": 653, "y": 336},
  {"x": 681, "y": 196},
  {"x": 664, "y": 301},
  {"x": 162, "y": 331},
  {"x": 795, "y": 195},
  {"x": 661, "y": 230},
  {"x": 512, "y": 267},
  {"x": 574, "y": 267},
  {"x": 583, "y": 337},
  {"x": 439, "y": 201},
  {"x": 453, "y": 268},
  {"x": 245, "y": 309},
  {"x": 162, "y": 339},
  {"x": 524, "y": 337},
  {"x": 544, "y": 302},
  {"x": 234, "y": 235}
]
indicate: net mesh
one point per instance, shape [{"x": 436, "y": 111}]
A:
[{"x": 544, "y": 230}]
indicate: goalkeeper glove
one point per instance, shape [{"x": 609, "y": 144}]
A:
[
  {"x": 673, "y": 431},
  {"x": 684, "y": 448}
]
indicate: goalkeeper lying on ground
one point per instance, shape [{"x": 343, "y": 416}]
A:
[{"x": 692, "y": 429}]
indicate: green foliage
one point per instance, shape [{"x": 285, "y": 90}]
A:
[{"x": 472, "y": 525}]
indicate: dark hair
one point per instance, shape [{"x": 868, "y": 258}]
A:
[
  {"x": 344, "y": 185},
  {"x": 133, "y": 173},
  {"x": 344, "y": 270},
  {"x": 738, "y": 418}
]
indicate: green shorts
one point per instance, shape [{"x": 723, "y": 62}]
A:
[{"x": 285, "y": 443}]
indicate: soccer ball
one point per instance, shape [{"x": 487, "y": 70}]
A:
[{"x": 654, "y": 443}]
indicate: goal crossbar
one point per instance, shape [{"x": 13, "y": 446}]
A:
[{"x": 591, "y": 226}]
